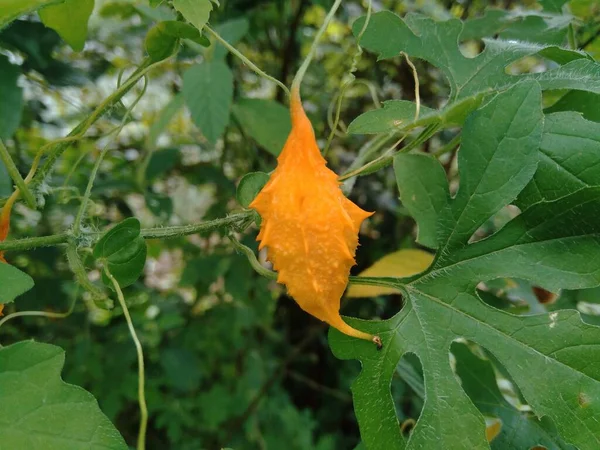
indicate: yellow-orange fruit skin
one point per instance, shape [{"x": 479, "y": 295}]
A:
[{"x": 309, "y": 227}]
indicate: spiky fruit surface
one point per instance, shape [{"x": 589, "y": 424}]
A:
[{"x": 309, "y": 227}]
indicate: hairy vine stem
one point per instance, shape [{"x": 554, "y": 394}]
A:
[
  {"x": 16, "y": 176},
  {"x": 238, "y": 222}
]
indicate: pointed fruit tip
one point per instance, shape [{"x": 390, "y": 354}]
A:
[{"x": 377, "y": 341}]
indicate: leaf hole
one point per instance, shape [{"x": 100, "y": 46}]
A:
[
  {"x": 408, "y": 392},
  {"x": 495, "y": 223},
  {"x": 492, "y": 391},
  {"x": 528, "y": 65}
]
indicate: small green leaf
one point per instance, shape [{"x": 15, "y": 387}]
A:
[
  {"x": 196, "y": 12},
  {"x": 11, "y": 106},
  {"x": 42, "y": 412},
  {"x": 69, "y": 20},
  {"x": 208, "y": 91},
  {"x": 266, "y": 121},
  {"x": 395, "y": 114},
  {"x": 124, "y": 251},
  {"x": 12, "y": 9},
  {"x": 164, "y": 37},
  {"x": 398, "y": 115},
  {"x": 423, "y": 191},
  {"x": 13, "y": 282},
  {"x": 249, "y": 187}
]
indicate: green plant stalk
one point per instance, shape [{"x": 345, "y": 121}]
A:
[
  {"x": 238, "y": 222},
  {"x": 16, "y": 176},
  {"x": 351, "y": 79},
  {"x": 386, "y": 159},
  {"x": 141, "y": 442},
  {"x": 49, "y": 315},
  {"x": 78, "y": 269},
  {"x": 313, "y": 48},
  {"x": 245, "y": 60},
  {"x": 35, "y": 242}
]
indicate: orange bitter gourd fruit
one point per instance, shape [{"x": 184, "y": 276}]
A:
[
  {"x": 4, "y": 227},
  {"x": 309, "y": 227}
]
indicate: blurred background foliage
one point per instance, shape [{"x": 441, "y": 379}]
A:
[{"x": 230, "y": 358}]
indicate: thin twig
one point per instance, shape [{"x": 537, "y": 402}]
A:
[
  {"x": 237, "y": 222},
  {"x": 141, "y": 442},
  {"x": 246, "y": 61},
  {"x": 313, "y": 48},
  {"x": 16, "y": 176}
]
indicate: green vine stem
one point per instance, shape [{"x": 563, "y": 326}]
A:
[
  {"x": 349, "y": 82},
  {"x": 245, "y": 60},
  {"x": 78, "y": 268},
  {"x": 49, "y": 315},
  {"x": 313, "y": 48},
  {"x": 238, "y": 222},
  {"x": 388, "y": 156},
  {"x": 141, "y": 442},
  {"x": 16, "y": 176}
]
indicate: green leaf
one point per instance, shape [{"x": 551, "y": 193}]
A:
[
  {"x": 520, "y": 429},
  {"x": 266, "y": 121},
  {"x": 232, "y": 31},
  {"x": 42, "y": 412},
  {"x": 470, "y": 79},
  {"x": 69, "y": 20},
  {"x": 196, "y": 12},
  {"x": 398, "y": 115},
  {"x": 437, "y": 43},
  {"x": 553, "y": 244},
  {"x": 423, "y": 191},
  {"x": 11, "y": 106},
  {"x": 12, "y": 9},
  {"x": 208, "y": 92},
  {"x": 586, "y": 103},
  {"x": 559, "y": 173},
  {"x": 524, "y": 25},
  {"x": 249, "y": 187},
  {"x": 124, "y": 251},
  {"x": 495, "y": 161},
  {"x": 163, "y": 38},
  {"x": 13, "y": 282}
]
